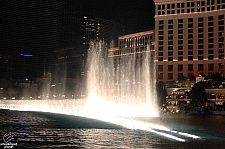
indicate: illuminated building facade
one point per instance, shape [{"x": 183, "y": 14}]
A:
[
  {"x": 90, "y": 30},
  {"x": 189, "y": 38},
  {"x": 101, "y": 29},
  {"x": 133, "y": 44}
]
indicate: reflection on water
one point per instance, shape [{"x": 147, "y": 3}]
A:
[{"x": 45, "y": 130}]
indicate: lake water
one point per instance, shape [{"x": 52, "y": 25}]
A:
[{"x": 48, "y": 130}]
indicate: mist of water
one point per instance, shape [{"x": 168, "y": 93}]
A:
[{"x": 121, "y": 86}]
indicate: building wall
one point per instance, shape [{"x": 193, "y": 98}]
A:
[
  {"x": 136, "y": 43},
  {"x": 189, "y": 38}
]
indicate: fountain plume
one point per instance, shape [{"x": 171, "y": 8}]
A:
[{"x": 123, "y": 86}]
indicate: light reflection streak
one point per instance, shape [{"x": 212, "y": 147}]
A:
[
  {"x": 189, "y": 135},
  {"x": 124, "y": 121},
  {"x": 139, "y": 125}
]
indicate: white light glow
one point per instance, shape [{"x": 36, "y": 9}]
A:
[
  {"x": 75, "y": 107},
  {"x": 189, "y": 135}
]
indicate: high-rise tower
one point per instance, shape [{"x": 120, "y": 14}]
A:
[{"x": 189, "y": 38}]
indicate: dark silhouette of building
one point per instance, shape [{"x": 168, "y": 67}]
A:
[{"x": 101, "y": 29}]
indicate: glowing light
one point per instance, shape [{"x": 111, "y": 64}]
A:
[
  {"x": 26, "y": 55},
  {"x": 189, "y": 135},
  {"x": 75, "y": 107}
]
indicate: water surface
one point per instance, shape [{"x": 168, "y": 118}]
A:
[{"x": 47, "y": 130}]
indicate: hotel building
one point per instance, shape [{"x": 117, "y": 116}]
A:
[
  {"x": 133, "y": 44},
  {"x": 189, "y": 38},
  {"x": 101, "y": 29}
]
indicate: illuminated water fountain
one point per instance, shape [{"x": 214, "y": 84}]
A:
[{"x": 121, "y": 86}]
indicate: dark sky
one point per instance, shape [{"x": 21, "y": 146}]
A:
[
  {"x": 28, "y": 26},
  {"x": 135, "y": 15},
  {"x": 41, "y": 27}
]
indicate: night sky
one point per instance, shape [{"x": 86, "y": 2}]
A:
[
  {"x": 41, "y": 27},
  {"x": 135, "y": 15},
  {"x": 34, "y": 25}
]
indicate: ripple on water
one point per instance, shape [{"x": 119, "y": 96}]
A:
[{"x": 41, "y": 130}]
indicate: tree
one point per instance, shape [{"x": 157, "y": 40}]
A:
[
  {"x": 198, "y": 94},
  {"x": 185, "y": 82},
  {"x": 181, "y": 78},
  {"x": 217, "y": 78},
  {"x": 170, "y": 84},
  {"x": 161, "y": 93},
  {"x": 192, "y": 78}
]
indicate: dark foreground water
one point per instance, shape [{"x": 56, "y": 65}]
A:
[{"x": 46, "y": 130}]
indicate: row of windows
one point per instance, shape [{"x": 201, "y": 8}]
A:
[
  {"x": 190, "y": 58},
  {"x": 130, "y": 51},
  {"x": 190, "y": 26},
  {"x": 179, "y": 11},
  {"x": 200, "y": 52},
  {"x": 170, "y": 75},
  {"x": 139, "y": 41},
  {"x": 190, "y": 48},
  {"x": 190, "y": 37},
  {"x": 180, "y": 31},
  {"x": 190, "y": 68},
  {"x": 191, "y": 4},
  {"x": 190, "y": 44},
  {"x": 200, "y": 19},
  {"x": 191, "y": 7}
]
